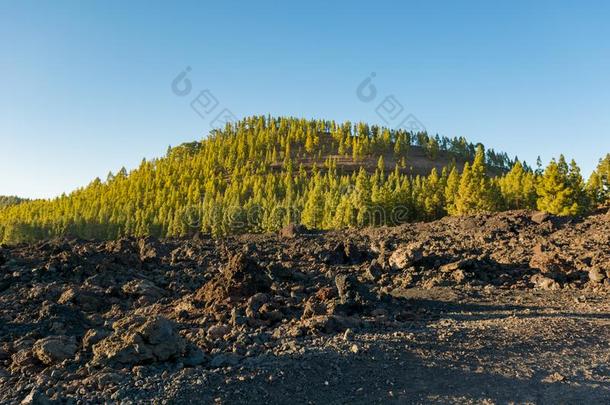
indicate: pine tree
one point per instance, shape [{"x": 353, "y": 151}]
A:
[
  {"x": 434, "y": 200},
  {"x": 432, "y": 148},
  {"x": 313, "y": 212},
  {"x": 539, "y": 169},
  {"x": 598, "y": 186},
  {"x": 555, "y": 195},
  {"x": 518, "y": 188},
  {"x": 595, "y": 189},
  {"x": 362, "y": 198},
  {"x": 451, "y": 191},
  {"x": 475, "y": 193},
  {"x": 577, "y": 184}
]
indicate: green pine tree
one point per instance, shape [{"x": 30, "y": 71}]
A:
[
  {"x": 475, "y": 192},
  {"x": 555, "y": 195}
]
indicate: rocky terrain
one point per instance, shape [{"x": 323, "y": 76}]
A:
[{"x": 504, "y": 308}]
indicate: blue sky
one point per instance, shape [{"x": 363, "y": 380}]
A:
[{"x": 86, "y": 86}]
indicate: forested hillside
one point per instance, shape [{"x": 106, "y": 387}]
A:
[{"x": 262, "y": 173}]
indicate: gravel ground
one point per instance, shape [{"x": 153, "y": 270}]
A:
[
  {"x": 483, "y": 347},
  {"x": 505, "y": 308}
]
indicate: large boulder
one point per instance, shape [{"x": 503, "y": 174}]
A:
[
  {"x": 540, "y": 217},
  {"x": 241, "y": 278},
  {"x": 23, "y": 361},
  {"x": 596, "y": 275},
  {"x": 86, "y": 300},
  {"x": 93, "y": 336},
  {"x": 292, "y": 231},
  {"x": 145, "y": 289},
  {"x": 405, "y": 256},
  {"x": 218, "y": 331},
  {"x": 36, "y": 397},
  {"x": 255, "y": 303},
  {"x": 544, "y": 283},
  {"x": 353, "y": 295},
  {"x": 343, "y": 252},
  {"x": 54, "y": 349},
  {"x": 313, "y": 307},
  {"x": 547, "y": 260},
  {"x": 330, "y": 324},
  {"x": 150, "y": 249},
  {"x": 137, "y": 340},
  {"x": 62, "y": 319}
]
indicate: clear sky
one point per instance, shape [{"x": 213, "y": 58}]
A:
[{"x": 86, "y": 86}]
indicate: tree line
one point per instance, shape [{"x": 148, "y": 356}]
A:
[
  {"x": 6, "y": 200},
  {"x": 262, "y": 173}
]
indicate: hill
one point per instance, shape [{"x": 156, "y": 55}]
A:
[{"x": 262, "y": 173}]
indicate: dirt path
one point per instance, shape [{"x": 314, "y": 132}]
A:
[{"x": 490, "y": 348}]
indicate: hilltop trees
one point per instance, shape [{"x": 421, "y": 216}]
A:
[{"x": 262, "y": 173}]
